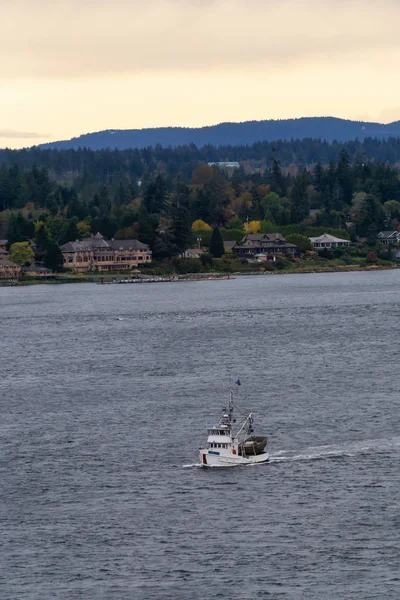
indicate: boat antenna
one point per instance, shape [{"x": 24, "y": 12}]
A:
[{"x": 237, "y": 382}]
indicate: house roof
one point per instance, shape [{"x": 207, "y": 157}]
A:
[
  {"x": 3, "y": 242},
  {"x": 36, "y": 269},
  {"x": 97, "y": 242},
  {"x": 266, "y": 240},
  {"x": 229, "y": 244},
  {"x": 4, "y": 262},
  {"x": 258, "y": 237},
  {"x": 195, "y": 250},
  {"x": 127, "y": 244},
  {"x": 327, "y": 238},
  {"x": 3, "y": 252},
  {"x": 388, "y": 234}
]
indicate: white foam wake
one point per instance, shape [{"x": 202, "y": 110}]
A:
[{"x": 349, "y": 449}]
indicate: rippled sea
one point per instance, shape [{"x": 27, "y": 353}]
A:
[{"x": 105, "y": 395}]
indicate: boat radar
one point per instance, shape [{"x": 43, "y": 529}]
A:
[{"x": 230, "y": 444}]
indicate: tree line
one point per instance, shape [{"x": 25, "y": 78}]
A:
[{"x": 57, "y": 201}]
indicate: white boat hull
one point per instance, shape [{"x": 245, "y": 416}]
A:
[{"x": 224, "y": 459}]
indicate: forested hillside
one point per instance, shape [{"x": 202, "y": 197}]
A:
[
  {"x": 155, "y": 195},
  {"x": 247, "y": 133}
]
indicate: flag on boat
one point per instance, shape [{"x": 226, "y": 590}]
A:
[{"x": 238, "y": 382}]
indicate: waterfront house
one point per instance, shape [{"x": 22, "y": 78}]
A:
[
  {"x": 36, "y": 271},
  {"x": 98, "y": 254},
  {"x": 328, "y": 241},
  {"x": 9, "y": 269},
  {"x": 192, "y": 253},
  {"x": 270, "y": 244},
  {"x": 389, "y": 237}
]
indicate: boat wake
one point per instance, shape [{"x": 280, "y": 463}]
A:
[{"x": 350, "y": 449}]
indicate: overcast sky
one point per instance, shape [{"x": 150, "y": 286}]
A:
[{"x": 73, "y": 66}]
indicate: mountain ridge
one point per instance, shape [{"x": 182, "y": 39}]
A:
[{"x": 242, "y": 133}]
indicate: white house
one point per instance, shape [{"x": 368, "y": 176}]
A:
[
  {"x": 192, "y": 253},
  {"x": 328, "y": 241},
  {"x": 389, "y": 237}
]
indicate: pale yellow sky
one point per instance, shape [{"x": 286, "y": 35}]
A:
[{"x": 75, "y": 66}]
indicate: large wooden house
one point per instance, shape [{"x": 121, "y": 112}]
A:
[
  {"x": 97, "y": 254},
  {"x": 268, "y": 244}
]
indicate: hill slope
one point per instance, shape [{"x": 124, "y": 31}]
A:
[{"x": 235, "y": 134}]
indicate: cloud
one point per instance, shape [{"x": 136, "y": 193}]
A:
[
  {"x": 12, "y": 134},
  {"x": 88, "y": 38}
]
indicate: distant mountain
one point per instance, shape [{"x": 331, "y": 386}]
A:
[{"x": 234, "y": 134}]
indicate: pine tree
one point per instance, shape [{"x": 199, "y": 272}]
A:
[
  {"x": 216, "y": 243},
  {"x": 300, "y": 208},
  {"x": 276, "y": 179},
  {"x": 181, "y": 222},
  {"x": 71, "y": 233},
  {"x": 54, "y": 259}
]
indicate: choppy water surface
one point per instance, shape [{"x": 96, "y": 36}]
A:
[{"x": 104, "y": 397}]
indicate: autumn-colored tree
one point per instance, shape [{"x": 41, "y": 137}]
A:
[
  {"x": 252, "y": 227},
  {"x": 372, "y": 257},
  {"x": 22, "y": 253},
  {"x": 201, "y": 225},
  {"x": 202, "y": 175}
]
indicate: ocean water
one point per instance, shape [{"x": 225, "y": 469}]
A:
[{"x": 105, "y": 396}]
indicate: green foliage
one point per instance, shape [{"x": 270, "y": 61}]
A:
[
  {"x": 154, "y": 193},
  {"x": 235, "y": 224},
  {"x": 392, "y": 211},
  {"x": 201, "y": 237},
  {"x": 275, "y": 209},
  {"x": 230, "y": 235},
  {"x": 301, "y": 241},
  {"x": 155, "y": 199},
  {"x": 53, "y": 258},
  {"x": 300, "y": 202},
  {"x": 371, "y": 217},
  {"x": 216, "y": 243},
  {"x": 207, "y": 261},
  {"x": 19, "y": 229},
  {"x": 187, "y": 265},
  {"x": 21, "y": 253},
  {"x": 339, "y": 252},
  {"x": 181, "y": 222}
]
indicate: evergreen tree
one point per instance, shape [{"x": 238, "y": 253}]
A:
[
  {"x": 344, "y": 178},
  {"x": 17, "y": 229},
  {"x": 181, "y": 222},
  {"x": 41, "y": 237},
  {"x": 53, "y": 258},
  {"x": 71, "y": 233},
  {"x": 276, "y": 179},
  {"x": 216, "y": 243},
  {"x": 300, "y": 203},
  {"x": 147, "y": 228},
  {"x": 155, "y": 199},
  {"x": 371, "y": 217}
]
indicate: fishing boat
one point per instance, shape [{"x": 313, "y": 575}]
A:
[{"x": 232, "y": 443}]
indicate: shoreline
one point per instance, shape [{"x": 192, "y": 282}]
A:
[{"x": 189, "y": 277}]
